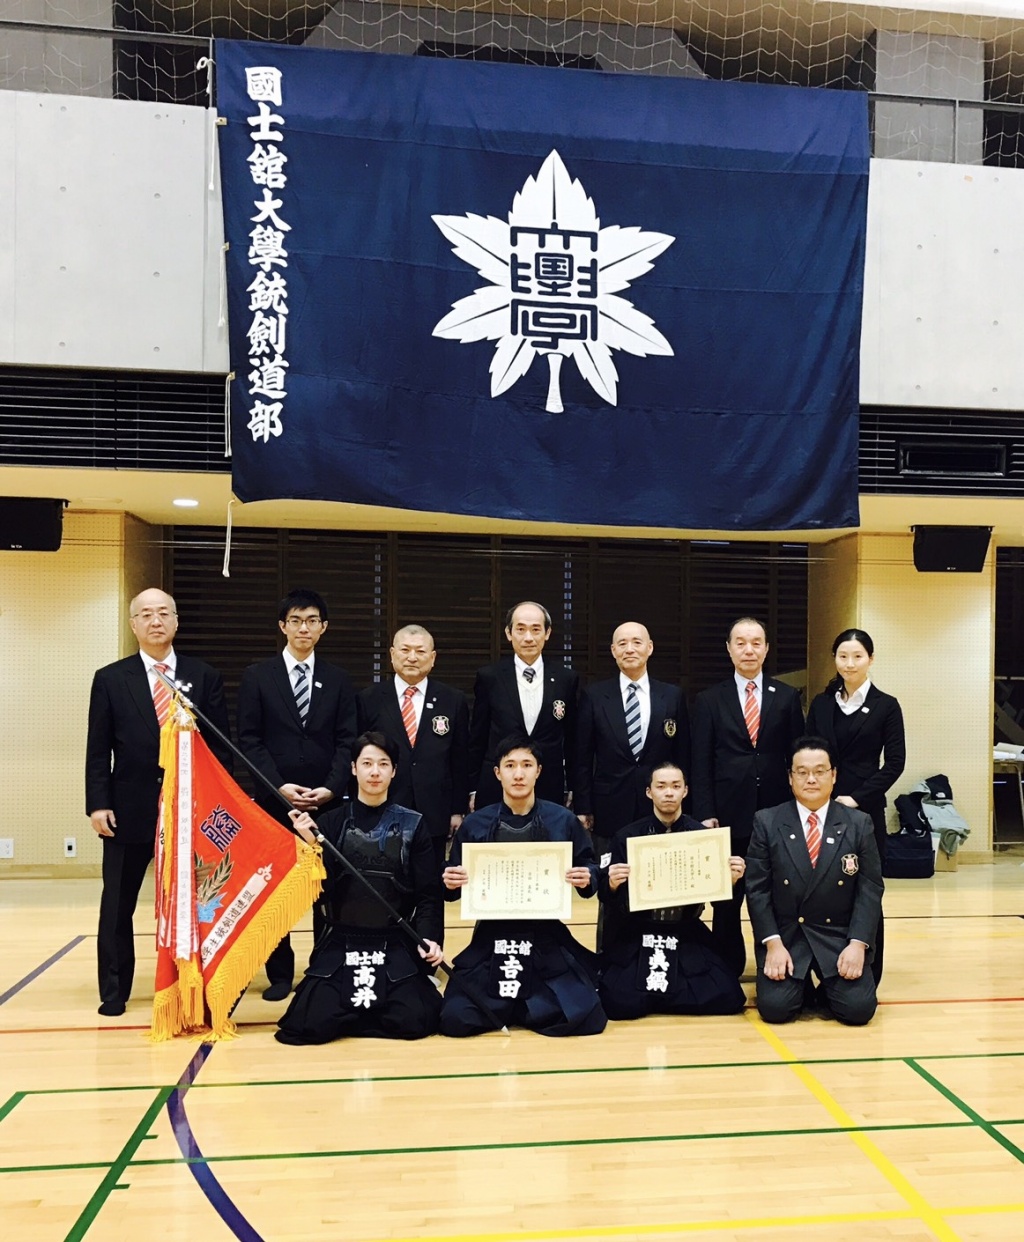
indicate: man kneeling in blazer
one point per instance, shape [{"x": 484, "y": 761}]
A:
[{"x": 814, "y": 892}]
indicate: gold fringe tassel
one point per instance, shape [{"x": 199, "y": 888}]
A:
[{"x": 279, "y": 914}]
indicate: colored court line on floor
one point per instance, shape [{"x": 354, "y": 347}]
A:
[
  {"x": 116, "y": 1170},
  {"x": 527, "y": 1073},
  {"x": 713, "y": 1226},
  {"x": 988, "y": 1126},
  {"x": 11, "y": 1104},
  {"x": 192, "y": 1154},
  {"x": 205, "y": 1179},
  {"x": 900, "y": 1183},
  {"x": 34, "y": 974}
]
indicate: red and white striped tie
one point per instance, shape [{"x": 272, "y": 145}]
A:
[
  {"x": 161, "y": 696},
  {"x": 813, "y": 838},
  {"x": 409, "y": 714},
  {"x": 751, "y": 712}
]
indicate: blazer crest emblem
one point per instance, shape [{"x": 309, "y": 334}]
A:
[
  {"x": 850, "y": 864},
  {"x": 558, "y": 709},
  {"x": 670, "y": 728},
  {"x": 440, "y": 725}
]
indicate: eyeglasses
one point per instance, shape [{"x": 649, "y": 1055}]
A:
[
  {"x": 804, "y": 774},
  {"x": 296, "y": 623},
  {"x": 147, "y": 618}
]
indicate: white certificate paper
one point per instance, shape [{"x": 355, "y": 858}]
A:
[
  {"x": 517, "y": 880},
  {"x": 678, "y": 869}
]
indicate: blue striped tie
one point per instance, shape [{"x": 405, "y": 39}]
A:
[
  {"x": 302, "y": 690},
  {"x": 633, "y": 720}
]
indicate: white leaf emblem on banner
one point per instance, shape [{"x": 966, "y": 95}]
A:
[{"x": 555, "y": 278}]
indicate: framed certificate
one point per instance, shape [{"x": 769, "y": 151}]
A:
[
  {"x": 678, "y": 869},
  {"x": 517, "y": 880}
]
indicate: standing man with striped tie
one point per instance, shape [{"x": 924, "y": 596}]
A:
[
  {"x": 127, "y": 706},
  {"x": 525, "y": 695},
  {"x": 429, "y": 723},
  {"x": 628, "y": 726},
  {"x": 297, "y": 723},
  {"x": 743, "y": 729},
  {"x": 814, "y": 888}
]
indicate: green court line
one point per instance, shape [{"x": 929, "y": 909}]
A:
[
  {"x": 115, "y": 1171},
  {"x": 12, "y": 1103},
  {"x": 603, "y": 1141},
  {"x": 528, "y": 1073},
  {"x": 988, "y": 1126}
]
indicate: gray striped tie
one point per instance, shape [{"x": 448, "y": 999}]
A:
[
  {"x": 633, "y": 720},
  {"x": 302, "y": 690}
]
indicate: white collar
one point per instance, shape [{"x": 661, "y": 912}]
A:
[
  {"x": 401, "y": 685},
  {"x": 642, "y": 683},
  {"x": 290, "y": 662},
  {"x": 856, "y": 699},
  {"x": 742, "y": 681},
  {"x": 170, "y": 659},
  {"x": 537, "y": 666}
]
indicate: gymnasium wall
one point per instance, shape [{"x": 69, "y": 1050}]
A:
[{"x": 110, "y": 243}]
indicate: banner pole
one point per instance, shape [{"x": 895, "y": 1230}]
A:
[{"x": 181, "y": 690}]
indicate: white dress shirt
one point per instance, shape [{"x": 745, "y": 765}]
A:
[
  {"x": 643, "y": 697},
  {"x": 290, "y": 662},
  {"x": 171, "y": 660},
  {"x": 531, "y": 694},
  {"x": 856, "y": 700},
  {"x": 741, "y": 686},
  {"x": 418, "y": 698}
]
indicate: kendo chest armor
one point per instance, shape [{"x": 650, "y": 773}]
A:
[{"x": 382, "y": 857}]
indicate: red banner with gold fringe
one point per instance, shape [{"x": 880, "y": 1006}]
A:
[{"x": 230, "y": 882}]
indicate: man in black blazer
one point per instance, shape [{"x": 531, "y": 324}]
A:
[
  {"x": 743, "y": 729},
  {"x": 619, "y": 743},
  {"x": 429, "y": 723},
  {"x": 525, "y": 695},
  {"x": 297, "y": 723},
  {"x": 814, "y": 888},
  {"x": 123, "y": 775}
]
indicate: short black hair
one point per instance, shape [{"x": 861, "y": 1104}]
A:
[
  {"x": 302, "y": 597},
  {"x": 516, "y": 741},
  {"x": 374, "y": 738},
  {"x": 660, "y": 767},
  {"x": 810, "y": 742},
  {"x": 748, "y": 621},
  {"x": 512, "y": 612}
]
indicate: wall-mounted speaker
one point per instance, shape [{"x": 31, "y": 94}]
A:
[
  {"x": 951, "y": 549},
  {"x": 28, "y": 524}
]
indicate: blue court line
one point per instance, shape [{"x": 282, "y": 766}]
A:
[
  {"x": 34, "y": 974},
  {"x": 207, "y": 1182}
]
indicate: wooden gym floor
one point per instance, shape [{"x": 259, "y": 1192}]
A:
[{"x": 695, "y": 1128}]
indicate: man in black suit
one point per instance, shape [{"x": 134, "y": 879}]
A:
[
  {"x": 297, "y": 723},
  {"x": 814, "y": 888},
  {"x": 743, "y": 729},
  {"x": 123, "y": 776},
  {"x": 429, "y": 723},
  {"x": 525, "y": 695},
  {"x": 628, "y": 726}
]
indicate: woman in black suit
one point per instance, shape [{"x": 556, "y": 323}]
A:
[{"x": 864, "y": 728}]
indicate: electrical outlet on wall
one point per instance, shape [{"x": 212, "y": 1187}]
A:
[
  {"x": 6, "y": 847},
  {"x": 70, "y": 847}
]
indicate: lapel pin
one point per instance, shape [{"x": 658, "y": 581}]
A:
[
  {"x": 771, "y": 689},
  {"x": 430, "y": 704},
  {"x": 319, "y": 685},
  {"x": 865, "y": 710},
  {"x": 830, "y": 840},
  {"x": 792, "y": 836}
]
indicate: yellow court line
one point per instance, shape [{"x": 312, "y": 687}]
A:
[
  {"x": 922, "y": 1208},
  {"x": 706, "y": 1226}
]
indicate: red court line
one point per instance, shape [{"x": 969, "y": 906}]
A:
[{"x": 57, "y": 1030}]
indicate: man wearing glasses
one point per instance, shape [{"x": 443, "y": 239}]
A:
[
  {"x": 127, "y": 706},
  {"x": 297, "y": 723},
  {"x": 814, "y": 892}
]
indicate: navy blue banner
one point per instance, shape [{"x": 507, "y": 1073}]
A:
[{"x": 542, "y": 294}]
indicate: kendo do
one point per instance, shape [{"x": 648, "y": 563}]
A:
[
  {"x": 531, "y": 971},
  {"x": 366, "y": 976},
  {"x": 660, "y": 961}
]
